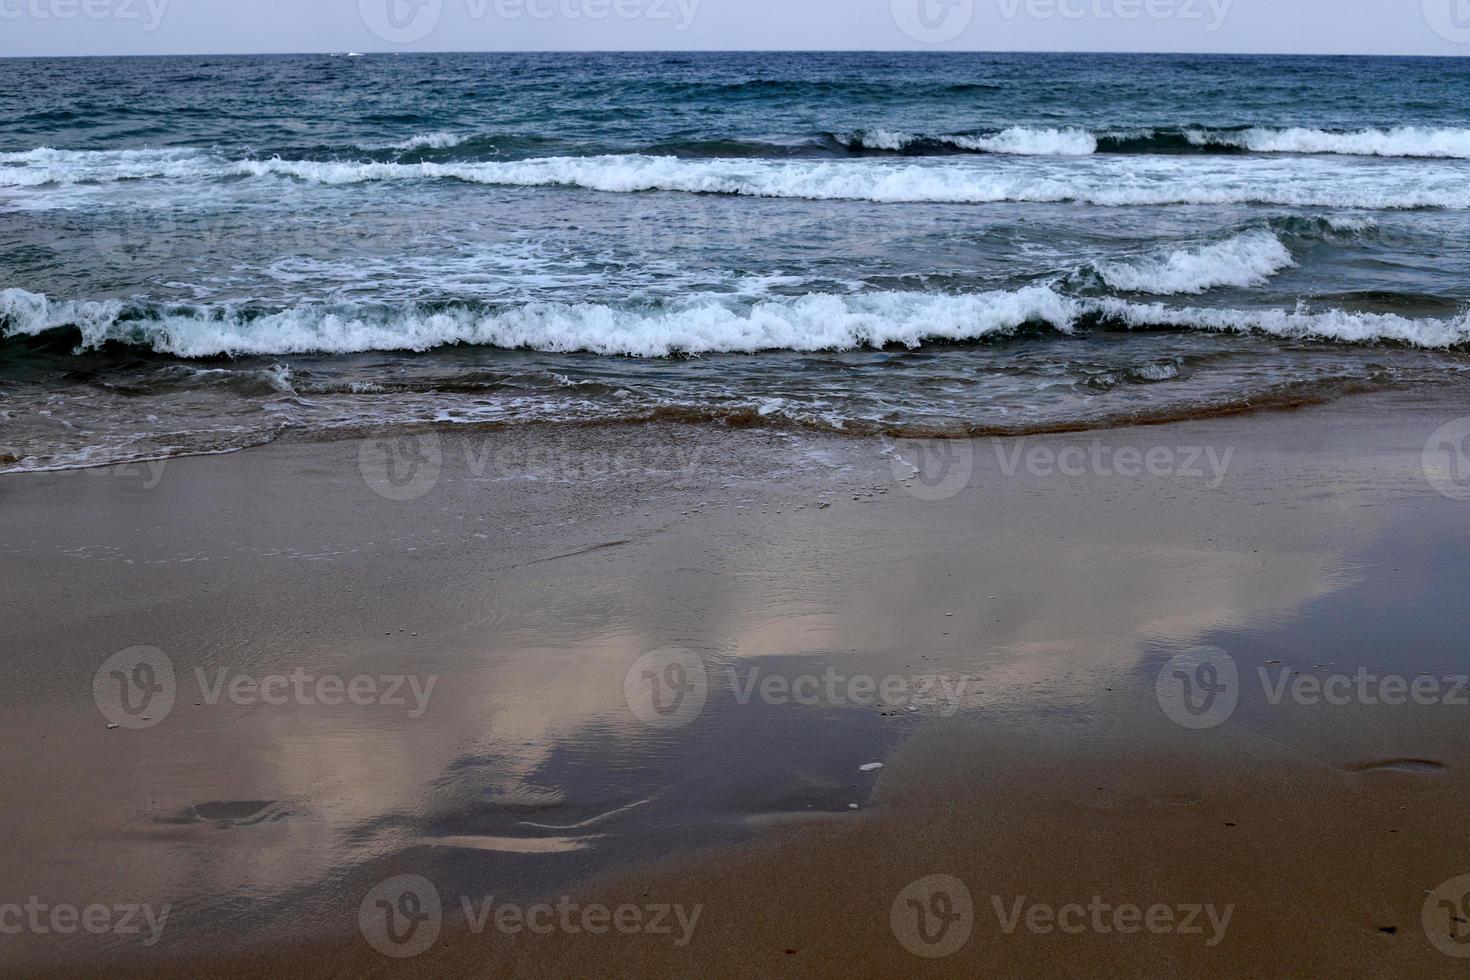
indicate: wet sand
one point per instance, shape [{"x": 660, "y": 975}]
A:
[{"x": 1024, "y": 600}]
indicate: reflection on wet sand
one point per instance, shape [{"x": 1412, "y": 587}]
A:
[{"x": 529, "y": 768}]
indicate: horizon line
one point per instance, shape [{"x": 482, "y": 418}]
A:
[{"x": 699, "y": 51}]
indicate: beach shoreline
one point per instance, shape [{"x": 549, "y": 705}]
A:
[{"x": 1024, "y": 600}]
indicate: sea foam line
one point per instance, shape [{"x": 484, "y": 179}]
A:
[
  {"x": 814, "y": 322},
  {"x": 1015, "y": 141},
  {"x": 1121, "y": 181},
  {"x": 1107, "y": 181},
  {"x": 1399, "y": 141}
]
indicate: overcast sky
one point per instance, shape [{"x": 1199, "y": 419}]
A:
[{"x": 71, "y": 27}]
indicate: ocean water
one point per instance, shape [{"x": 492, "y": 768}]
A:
[{"x": 199, "y": 254}]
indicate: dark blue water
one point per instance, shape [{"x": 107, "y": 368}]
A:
[{"x": 198, "y": 254}]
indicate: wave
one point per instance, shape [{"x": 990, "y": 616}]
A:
[
  {"x": 808, "y": 323},
  {"x": 44, "y": 165},
  {"x": 1327, "y": 226},
  {"x": 426, "y": 141},
  {"x": 1400, "y": 141},
  {"x": 1101, "y": 181},
  {"x": 1015, "y": 141},
  {"x": 1299, "y": 324},
  {"x": 916, "y": 183},
  {"x": 701, "y": 325},
  {"x": 1249, "y": 259}
]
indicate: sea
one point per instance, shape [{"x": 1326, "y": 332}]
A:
[{"x": 203, "y": 254}]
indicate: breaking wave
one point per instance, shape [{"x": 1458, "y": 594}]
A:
[
  {"x": 1115, "y": 181},
  {"x": 1401, "y": 141},
  {"x": 1015, "y": 141},
  {"x": 706, "y": 324},
  {"x": 1249, "y": 259}
]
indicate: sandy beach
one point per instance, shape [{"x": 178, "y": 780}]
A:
[{"x": 665, "y": 700}]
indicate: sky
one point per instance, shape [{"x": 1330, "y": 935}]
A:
[{"x": 99, "y": 27}]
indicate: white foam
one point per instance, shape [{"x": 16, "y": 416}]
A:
[
  {"x": 1249, "y": 259},
  {"x": 881, "y": 139},
  {"x": 45, "y": 165},
  {"x": 1400, "y": 141},
  {"x": 1346, "y": 223},
  {"x": 430, "y": 141},
  {"x": 704, "y": 324},
  {"x": 1015, "y": 141},
  {"x": 1300, "y": 324},
  {"x": 25, "y": 313},
  {"x": 806, "y": 323},
  {"x": 1022, "y": 141},
  {"x": 1108, "y": 180}
]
